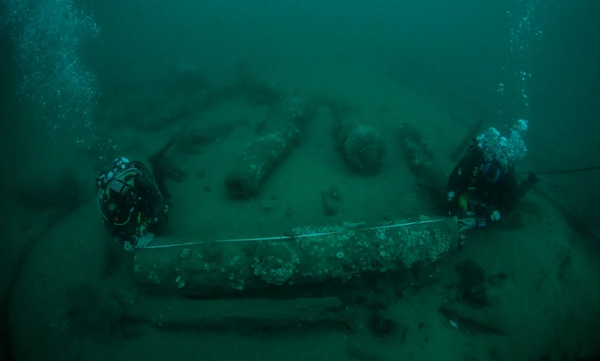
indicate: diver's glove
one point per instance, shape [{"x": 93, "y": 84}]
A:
[
  {"x": 495, "y": 216},
  {"x": 467, "y": 223},
  {"x": 143, "y": 241}
]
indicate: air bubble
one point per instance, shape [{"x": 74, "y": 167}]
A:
[{"x": 48, "y": 36}]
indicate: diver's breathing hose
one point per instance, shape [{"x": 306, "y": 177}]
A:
[{"x": 566, "y": 171}]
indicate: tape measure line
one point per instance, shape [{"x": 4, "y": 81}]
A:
[{"x": 290, "y": 238}]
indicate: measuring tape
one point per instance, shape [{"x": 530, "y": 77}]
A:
[{"x": 291, "y": 238}]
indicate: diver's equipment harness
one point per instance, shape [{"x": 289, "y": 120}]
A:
[{"x": 114, "y": 181}]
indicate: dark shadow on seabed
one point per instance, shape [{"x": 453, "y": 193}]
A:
[
  {"x": 10, "y": 128},
  {"x": 6, "y": 90}
]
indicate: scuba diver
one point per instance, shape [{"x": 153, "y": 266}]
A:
[
  {"x": 132, "y": 200},
  {"x": 483, "y": 187}
]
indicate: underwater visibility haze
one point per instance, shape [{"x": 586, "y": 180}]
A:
[{"x": 324, "y": 180}]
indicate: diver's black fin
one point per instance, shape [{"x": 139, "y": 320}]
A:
[{"x": 156, "y": 158}]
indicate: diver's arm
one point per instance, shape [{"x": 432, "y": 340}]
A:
[
  {"x": 120, "y": 235},
  {"x": 159, "y": 209},
  {"x": 454, "y": 191},
  {"x": 154, "y": 198},
  {"x": 459, "y": 181},
  {"x": 114, "y": 232},
  {"x": 505, "y": 201},
  {"x": 510, "y": 195}
]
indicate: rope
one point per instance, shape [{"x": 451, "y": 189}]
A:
[
  {"x": 291, "y": 238},
  {"x": 566, "y": 171}
]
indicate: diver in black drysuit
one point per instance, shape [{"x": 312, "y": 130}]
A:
[
  {"x": 133, "y": 199},
  {"x": 482, "y": 192}
]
